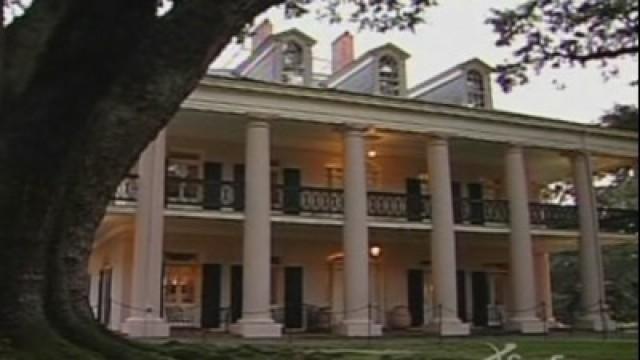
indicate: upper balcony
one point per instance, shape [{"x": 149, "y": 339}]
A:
[{"x": 409, "y": 207}]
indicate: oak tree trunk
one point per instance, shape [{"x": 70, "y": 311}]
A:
[{"x": 86, "y": 85}]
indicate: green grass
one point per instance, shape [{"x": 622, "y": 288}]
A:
[{"x": 583, "y": 348}]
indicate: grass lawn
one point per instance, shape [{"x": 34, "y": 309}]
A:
[{"x": 406, "y": 348}]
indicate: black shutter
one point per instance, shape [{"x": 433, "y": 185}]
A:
[
  {"x": 212, "y": 183},
  {"x": 238, "y": 189},
  {"x": 462, "y": 295},
  {"x": 456, "y": 195},
  {"x": 476, "y": 204},
  {"x": 415, "y": 287},
  {"x": 293, "y": 297},
  {"x": 292, "y": 184},
  {"x": 211, "y": 289},
  {"x": 236, "y": 293},
  {"x": 415, "y": 206},
  {"x": 480, "y": 291}
]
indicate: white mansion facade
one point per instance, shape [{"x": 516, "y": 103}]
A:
[{"x": 278, "y": 200}]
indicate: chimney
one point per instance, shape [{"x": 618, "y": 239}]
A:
[
  {"x": 342, "y": 52},
  {"x": 261, "y": 33}
]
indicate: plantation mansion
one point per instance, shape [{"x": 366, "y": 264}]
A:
[{"x": 280, "y": 200}]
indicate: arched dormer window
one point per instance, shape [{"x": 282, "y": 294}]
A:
[
  {"x": 389, "y": 76},
  {"x": 293, "y": 63},
  {"x": 475, "y": 89}
]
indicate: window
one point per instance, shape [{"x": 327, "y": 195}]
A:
[
  {"x": 475, "y": 89},
  {"x": 389, "y": 76},
  {"x": 184, "y": 171},
  {"x": 293, "y": 64}
]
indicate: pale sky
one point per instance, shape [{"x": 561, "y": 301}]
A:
[{"x": 455, "y": 32}]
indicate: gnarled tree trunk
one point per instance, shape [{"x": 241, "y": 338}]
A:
[{"x": 86, "y": 86}]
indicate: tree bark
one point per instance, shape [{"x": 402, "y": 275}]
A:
[{"x": 108, "y": 77}]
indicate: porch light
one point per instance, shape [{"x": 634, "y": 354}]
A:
[
  {"x": 375, "y": 251},
  {"x": 372, "y": 154}
]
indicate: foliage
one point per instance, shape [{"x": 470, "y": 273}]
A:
[
  {"x": 561, "y": 33},
  {"x": 621, "y": 283},
  {"x": 621, "y": 117}
]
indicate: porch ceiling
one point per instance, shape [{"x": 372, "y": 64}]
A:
[{"x": 482, "y": 158}]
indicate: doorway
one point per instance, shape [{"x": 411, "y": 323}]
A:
[{"x": 181, "y": 303}]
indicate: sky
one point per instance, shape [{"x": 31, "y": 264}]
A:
[{"x": 455, "y": 32}]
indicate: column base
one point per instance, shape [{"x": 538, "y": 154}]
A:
[
  {"x": 450, "y": 327},
  {"x": 597, "y": 323},
  {"x": 359, "y": 328},
  {"x": 151, "y": 327},
  {"x": 253, "y": 329},
  {"x": 526, "y": 325}
]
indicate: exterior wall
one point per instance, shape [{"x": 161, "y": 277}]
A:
[{"x": 309, "y": 246}]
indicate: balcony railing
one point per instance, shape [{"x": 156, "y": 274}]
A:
[{"x": 318, "y": 201}]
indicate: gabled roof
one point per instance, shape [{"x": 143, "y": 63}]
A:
[
  {"x": 295, "y": 33},
  {"x": 306, "y": 39},
  {"x": 387, "y": 47},
  {"x": 473, "y": 62},
  {"x": 367, "y": 56}
]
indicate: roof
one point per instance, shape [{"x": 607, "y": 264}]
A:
[
  {"x": 368, "y": 55},
  {"x": 473, "y": 62}
]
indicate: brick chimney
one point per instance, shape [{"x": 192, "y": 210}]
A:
[
  {"x": 342, "y": 52},
  {"x": 261, "y": 33}
]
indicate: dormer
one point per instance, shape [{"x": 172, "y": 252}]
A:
[
  {"x": 380, "y": 71},
  {"x": 285, "y": 57},
  {"x": 467, "y": 84}
]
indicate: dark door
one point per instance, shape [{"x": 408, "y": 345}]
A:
[
  {"x": 480, "y": 290},
  {"x": 293, "y": 297},
  {"x": 462, "y": 295},
  {"x": 211, "y": 289},
  {"x": 291, "y": 191},
  {"x": 213, "y": 182},
  {"x": 476, "y": 196},
  {"x": 456, "y": 195},
  {"x": 238, "y": 189},
  {"x": 415, "y": 287},
  {"x": 236, "y": 292}
]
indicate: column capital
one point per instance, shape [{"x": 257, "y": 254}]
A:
[
  {"x": 572, "y": 154},
  {"x": 516, "y": 146},
  {"x": 442, "y": 135},
  {"x": 355, "y": 128},
  {"x": 261, "y": 116},
  {"x": 258, "y": 124}
]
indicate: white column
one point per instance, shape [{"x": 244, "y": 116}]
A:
[
  {"x": 357, "y": 321},
  {"x": 523, "y": 312},
  {"x": 145, "y": 319},
  {"x": 443, "y": 241},
  {"x": 256, "y": 318},
  {"x": 590, "y": 255},
  {"x": 545, "y": 292}
]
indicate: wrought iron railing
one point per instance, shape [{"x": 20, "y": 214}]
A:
[
  {"x": 293, "y": 200},
  {"x": 552, "y": 216},
  {"x": 317, "y": 200},
  {"x": 387, "y": 204}
]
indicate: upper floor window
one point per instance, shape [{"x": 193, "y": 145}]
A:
[
  {"x": 475, "y": 89},
  {"x": 293, "y": 63},
  {"x": 389, "y": 76}
]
